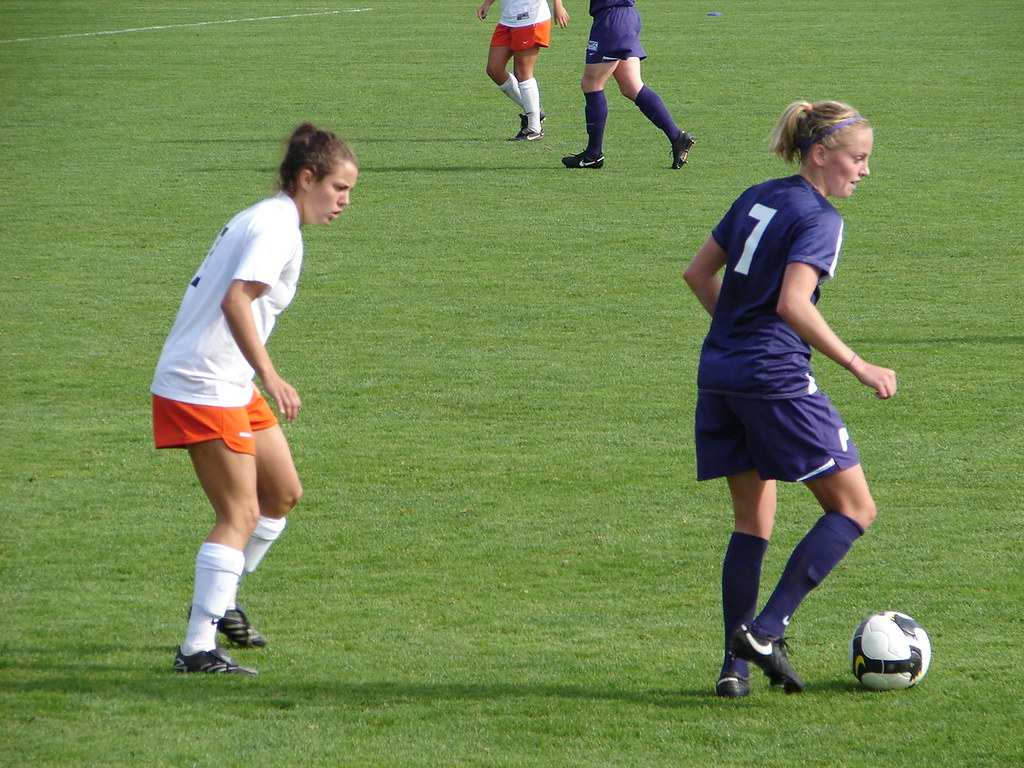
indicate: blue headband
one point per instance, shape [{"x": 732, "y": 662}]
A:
[{"x": 833, "y": 129}]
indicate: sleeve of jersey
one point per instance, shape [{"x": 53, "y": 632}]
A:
[
  {"x": 721, "y": 232},
  {"x": 270, "y": 245},
  {"x": 818, "y": 244}
]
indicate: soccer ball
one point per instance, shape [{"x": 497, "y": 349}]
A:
[{"x": 889, "y": 651}]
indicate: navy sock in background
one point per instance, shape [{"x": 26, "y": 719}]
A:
[
  {"x": 741, "y": 582},
  {"x": 596, "y": 113}
]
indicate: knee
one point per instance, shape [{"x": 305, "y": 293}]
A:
[
  {"x": 280, "y": 501},
  {"x": 498, "y": 74},
  {"x": 863, "y": 514},
  {"x": 239, "y": 522},
  {"x": 289, "y": 498},
  {"x": 868, "y": 516}
]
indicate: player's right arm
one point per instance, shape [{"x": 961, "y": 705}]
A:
[
  {"x": 702, "y": 274},
  {"x": 560, "y": 14},
  {"x": 481, "y": 12}
]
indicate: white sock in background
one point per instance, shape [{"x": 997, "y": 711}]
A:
[
  {"x": 511, "y": 89},
  {"x": 266, "y": 533}
]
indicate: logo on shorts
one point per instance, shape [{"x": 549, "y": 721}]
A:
[
  {"x": 592, "y": 45},
  {"x": 245, "y": 434}
]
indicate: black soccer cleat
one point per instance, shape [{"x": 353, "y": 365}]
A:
[
  {"x": 528, "y": 135},
  {"x": 524, "y": 121},
  {"x": 582, "y": 160},
  {"x": 236, "y": 627},
  {"x": 732, "y": 687},
  {"x": 680, "y": 149},
  {"x": 217, "y": 661},
  {"x": 769, "y": 653}
]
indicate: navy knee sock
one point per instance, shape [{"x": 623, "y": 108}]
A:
[
  {"x": 812, "y": 560},
  {"x": 741, "y": 581},
  {"x": 654, "y": 109},
  {"x": 596, "y": 114}
]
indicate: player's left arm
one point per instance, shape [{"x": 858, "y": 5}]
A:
[
  {"x": 237, "y": 309},
  {"x": 560, "y": 14},
  {"x": 702, "y": 274},
  {"x": 799, "y": 311}
]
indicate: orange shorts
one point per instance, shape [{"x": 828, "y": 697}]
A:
[
  {"x": 522, "y": 38},
  {"x": 177, "y": 425}
]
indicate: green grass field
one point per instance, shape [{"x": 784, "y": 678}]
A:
[{"x": 502, "y": 558}]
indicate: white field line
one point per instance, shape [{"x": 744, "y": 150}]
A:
[{"x": 179, "y": 26}]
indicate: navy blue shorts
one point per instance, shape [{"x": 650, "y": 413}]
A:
[
  {"x": 794, "y": 439},
  {"x": 615, "y": 36}
]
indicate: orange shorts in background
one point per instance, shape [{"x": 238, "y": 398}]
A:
[
  {"x": 522, "y": 38},
  {"x": 177, "y": 425}
]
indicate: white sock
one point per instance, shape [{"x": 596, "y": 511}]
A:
[
  {"x": 266, "y": 533},
  {"x": 530, "y": 92},
  {"x": 218, "y": 569},
  {"x": 511, "y": 89}
]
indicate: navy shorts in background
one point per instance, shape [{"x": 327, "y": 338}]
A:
[
  {"x": 792, "y": 439},
  {"x": 615, "y": 35}
]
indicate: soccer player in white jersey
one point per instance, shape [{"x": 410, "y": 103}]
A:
[
  {"x": 524, "y": 28},
  {"x": 205, "y": 399},
  {"x": 760, "y": 417}
]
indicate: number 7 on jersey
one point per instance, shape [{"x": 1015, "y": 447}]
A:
[{"x": 763, "y": 214}]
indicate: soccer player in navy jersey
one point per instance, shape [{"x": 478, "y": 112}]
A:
[
  {"x": 614, "y": 50},
  {"x": 760, "y": 417}
]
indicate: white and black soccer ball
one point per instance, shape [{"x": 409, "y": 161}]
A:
[{"x": 889, "y": 651}]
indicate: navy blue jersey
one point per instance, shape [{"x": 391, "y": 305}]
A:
[
  {"x": 596, "y": 6},
  {"x": 750, "y": 350}
]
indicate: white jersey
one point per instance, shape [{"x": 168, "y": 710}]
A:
[
  {"x": 201, "y": 362},
  {"x": 523, "y": 13}
]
